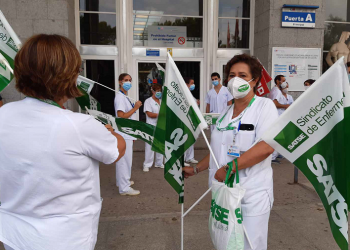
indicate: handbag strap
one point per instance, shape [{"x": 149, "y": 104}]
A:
[{"x": 232, "y": 178}]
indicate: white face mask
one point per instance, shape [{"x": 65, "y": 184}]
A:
[
  {"x": 306, "y": 87},
  {"x": 284, "y": 85},
  {"x": 239, "y": 87},
  {"x": 285, "y": 90}
]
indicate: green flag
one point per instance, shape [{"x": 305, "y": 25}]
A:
[
  {"x": 139, "y": 130},
  {"x": 211, "y": 118},
  {"x": 178, "y": 126},
  {"x": 313, "y": 134},
  {"x": 9, "y": 45},
  {"x": 85, "y": 85}
]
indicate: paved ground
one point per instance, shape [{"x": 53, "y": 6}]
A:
[{"x": 152, "y": 220}]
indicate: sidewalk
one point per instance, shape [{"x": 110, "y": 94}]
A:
[{"x": 152, "y": 219}]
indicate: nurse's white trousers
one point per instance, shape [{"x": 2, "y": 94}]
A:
[
  {"x": 149, "y": 157},
  {"x": 257, "y": 230},
  {"x": 189, "y": 153},
  {"x": 123, "y": 168}
]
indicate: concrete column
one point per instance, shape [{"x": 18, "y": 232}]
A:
[{"x": 269, "y": 33}]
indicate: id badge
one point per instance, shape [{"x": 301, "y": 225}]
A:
[{"x": 233, "y": 150}]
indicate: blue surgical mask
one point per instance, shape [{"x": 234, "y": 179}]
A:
[
  {"x": 158, "y": 95},
  {"x": 215, "y": 83},
  {"x": 192, "y": 87},
  {"x": 127, "y": 86}
]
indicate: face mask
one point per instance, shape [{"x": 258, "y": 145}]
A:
[
  {"x": 127, "y": 85},
  {"x": 284, "y": 85},
  {"x": 158, "y": 95},
  {"x": 285, "y": 90},
  {"x": 238, "y": 87},
  {"x": 306, "y": 87},
  {"x": 192, "y": 87},
  {"x": 215, "y": 83}
]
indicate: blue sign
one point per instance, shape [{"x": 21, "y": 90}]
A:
[
  {"x": 152, "y": 52},
  {"x": 298, "y": 19}
]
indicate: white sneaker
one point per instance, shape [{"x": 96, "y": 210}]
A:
[
  {"x": 194, "y": 161},
  {"x": 132, "y": 183},
  {"x": 161, "y": 166},
  {"x": 145, "y": 169},
  {"x": 131, "y": 192},
  {"x": 186, "y": 164}
]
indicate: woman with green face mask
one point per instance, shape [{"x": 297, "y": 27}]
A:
[{"x": 151, "y": 109}]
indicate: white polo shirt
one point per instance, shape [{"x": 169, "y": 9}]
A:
[
  {"x": 275, "y": 93},
  {"x": 218, "y": 101},
  {"x": 49, "y": 176},
  {"x": 257, "y": 180},
  {"x": 152, "y": 106},
  {"x": 283, "y": 100},
  {"x": 123, "y": 103}
]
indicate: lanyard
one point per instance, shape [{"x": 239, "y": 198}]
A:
[
  {"x": 47, "y": 101},
  {"x": 237, "y": 119},
  {"x": 132, "y": 105}
]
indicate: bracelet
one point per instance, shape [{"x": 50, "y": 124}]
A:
[{"x": 195, "y": 170}]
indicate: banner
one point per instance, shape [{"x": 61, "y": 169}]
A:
[
  {"x": 139, "y": 130},
  {"x": 265, "y": 79},
  {"x": 178, "y": 126},
  {"x": 9, "y": 46},
  {"x": 85, "y": 85},
  {"x": 313, "y": 134}
]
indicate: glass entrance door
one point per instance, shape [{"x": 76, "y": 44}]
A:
[{"x": 148, "y": 73}]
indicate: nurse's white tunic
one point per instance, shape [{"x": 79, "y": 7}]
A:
[{"x": 257, "y": 180}]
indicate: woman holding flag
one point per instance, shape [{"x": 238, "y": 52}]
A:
[
  {"x": 125, "y": 108},
  {"x": 49, "y": 156},
  {"x": 236, "y": 139}
]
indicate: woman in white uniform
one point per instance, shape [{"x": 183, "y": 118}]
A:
[
  {"x": 49, "y": 156},
  {"x": 238, "y": 127},
  {"x": 151, "y": 108},
  {"x": 125, "y": 108}
]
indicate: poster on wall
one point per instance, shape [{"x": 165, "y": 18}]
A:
[
  {"x": 297, "y": 65},
  {"x": 167, "y": 36}
]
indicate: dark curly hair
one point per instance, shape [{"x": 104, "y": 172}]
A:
[
  {"x": 47, "y": 67},
  {"x": 252, "y": 62}
]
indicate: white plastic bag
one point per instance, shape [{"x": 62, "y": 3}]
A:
[{"x": 225, "y": 218}]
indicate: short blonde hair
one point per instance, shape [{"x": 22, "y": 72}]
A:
[{"x": 47, "y": 67}]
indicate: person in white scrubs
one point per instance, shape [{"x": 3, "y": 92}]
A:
[
  {"x": 125, "y": 108},
  {"x": 284, "y": 98},
  {"x": 49, "y": 156},
  {"x": 238, "y": 127},
  {"x": 218, "y": 98},
  {"x": 189, "y": 153},
  {"x": 151, "y": 108},
  {"x": 276, "y": 92}
]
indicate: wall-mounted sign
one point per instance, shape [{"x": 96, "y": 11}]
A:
[
  {"x": 299, "y": 16},
  {"x": 297, "y": 65},
  {"x": 152, "y": 52},
  {"x": 167, "y": 36}
]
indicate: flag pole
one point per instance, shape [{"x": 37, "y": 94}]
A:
[
  {"x": 211, "y": 151},
  {"x": 182, "y": 226}
]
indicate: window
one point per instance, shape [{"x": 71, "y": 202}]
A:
[
  {"x": 234, "y": 24},
  {"x": 167, "y": 23},
  {"x": 97, "y": 22},
  {"x": 337, "y": 22}
]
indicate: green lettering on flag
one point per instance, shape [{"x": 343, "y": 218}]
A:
[
  {"x": 178, "y": 126},
  {"x": 314, "y": 135},
  {"x": 9, "y": 45},
  {"x": 85, "y": 86}
]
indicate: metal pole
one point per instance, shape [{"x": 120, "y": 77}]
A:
[
  {"x": 182, "y": 227},
  {"x": 296, "y": 172},
  {"x": 211, "y": 151},
  {"x": 194, "y": 204}
]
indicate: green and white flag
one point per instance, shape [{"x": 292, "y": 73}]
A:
[
  {"x": 9, "y": 46},
  {"x": 85, "y": 85},
  {"x": 211, "y": 118},
  {"x": 178, "y": 127},
  {"x": 161, "y": 70},
  {"x": 313, "y": 134},
  {"x": 137, "y": 129}
]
